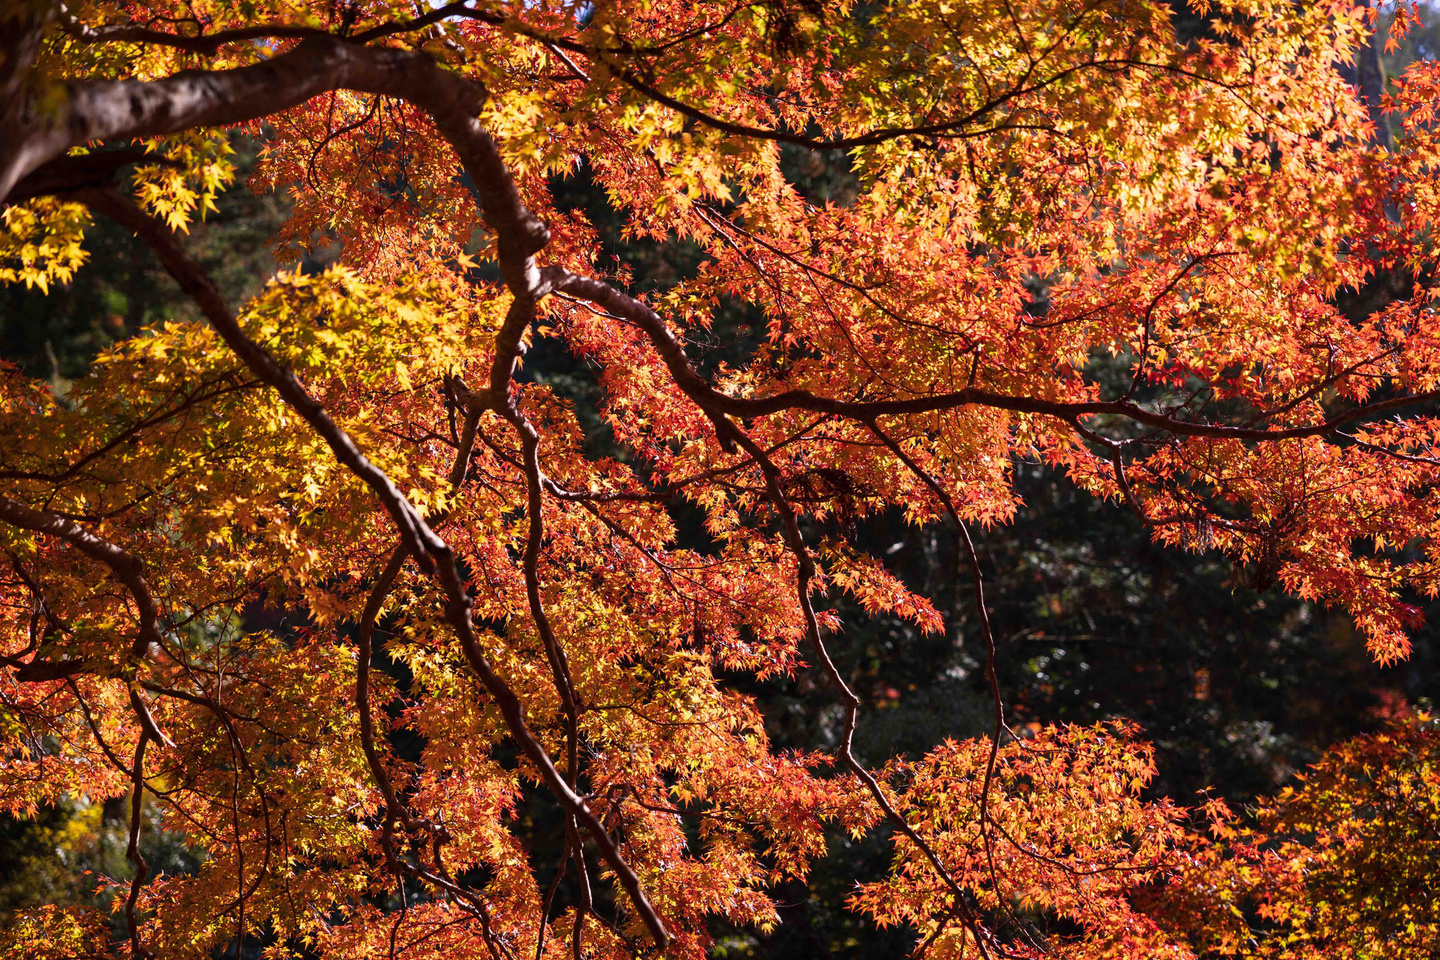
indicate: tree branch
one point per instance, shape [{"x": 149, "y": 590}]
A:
[{"x": 672, "y": 352}]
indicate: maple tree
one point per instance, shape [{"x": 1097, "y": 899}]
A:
[{"x": 1062, "y": 186}]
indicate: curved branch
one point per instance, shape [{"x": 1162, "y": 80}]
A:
[
  {"x": 126, "y": 568},
  {"x": 672, "y": 352},
  {"x": 805, "y": 573},
  {"x": 127, "y": 109},
  {"x": 992, "y": 678},
  {"x": 192, "y": 279},
  {"x": 364, "y": 651},
  {"x": 132, "y": 851},
  {"x": 125, "y": 565}
]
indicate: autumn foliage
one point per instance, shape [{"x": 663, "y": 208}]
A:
[{"x": 1048, "y": 190}]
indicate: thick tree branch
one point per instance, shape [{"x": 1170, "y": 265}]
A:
[
  {"x": 126, "y": 109},
  {"x": 508, "y": 348},
  {"x": 127, "y": 569},
  {"x": 191, "y": 277},
  {"x": 132, "y": 851},
  {"x": 713, "y": 402},
  {"x": 67, "y": 174}
]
